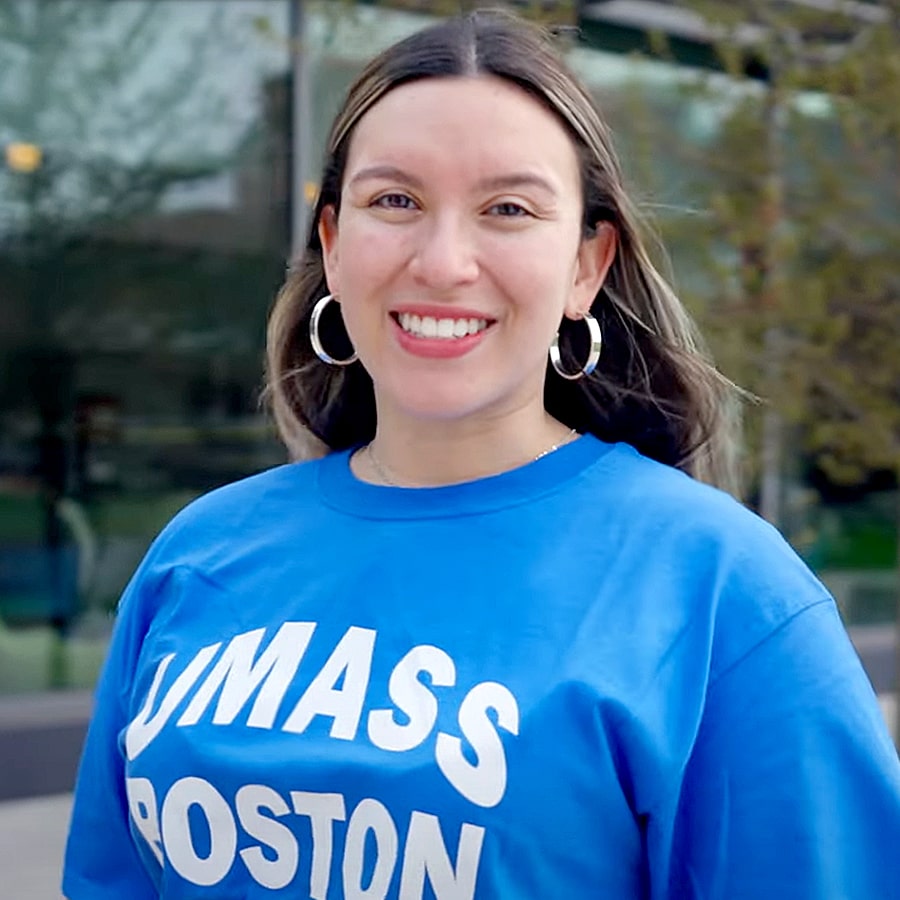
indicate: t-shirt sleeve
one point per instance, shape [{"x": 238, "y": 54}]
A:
[
  {"x": 793, "y": 786},
  {"x": 101, "y": 860}
]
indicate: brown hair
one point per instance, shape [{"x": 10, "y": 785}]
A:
[{"x": 654, "y": 387}]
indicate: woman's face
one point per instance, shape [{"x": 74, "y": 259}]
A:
[{"x": 458, "y": 248}]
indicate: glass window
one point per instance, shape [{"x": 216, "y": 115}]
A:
[{"x": 144, "y": 228}]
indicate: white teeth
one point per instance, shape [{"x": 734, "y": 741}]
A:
[{"x": 443, "y": 329}]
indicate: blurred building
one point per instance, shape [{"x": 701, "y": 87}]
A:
[
  {"x": 158, "y": 163},
  {"x": 145, "y": 210}
]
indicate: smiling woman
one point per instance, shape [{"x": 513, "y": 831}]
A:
[
  {"x": 500, "y": 642},
  {"x": 493, "y": 174}
]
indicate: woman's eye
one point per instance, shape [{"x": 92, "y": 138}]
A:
[
  {"x": 394, "y": 201},
  {"x": 508, "y": 209}
]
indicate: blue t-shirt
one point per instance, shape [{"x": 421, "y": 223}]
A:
[{"x": 589, "y": 677}]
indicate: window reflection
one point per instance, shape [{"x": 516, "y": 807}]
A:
[{"x": 144, "y": 191}]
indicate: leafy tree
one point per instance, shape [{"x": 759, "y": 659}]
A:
[{"x": 794, "y": 223}]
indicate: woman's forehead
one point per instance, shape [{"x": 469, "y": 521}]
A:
[{"x": 484, "y": 121}]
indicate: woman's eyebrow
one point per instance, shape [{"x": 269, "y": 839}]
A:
[
  {"x": 506, "y": 181},
  {"x": 386, "y": 173},
  {"x": 513, "y": 180}
]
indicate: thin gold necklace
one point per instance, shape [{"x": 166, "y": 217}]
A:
[{"x": 387, "y": 476}]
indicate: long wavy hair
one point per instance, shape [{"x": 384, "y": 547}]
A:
[{"x": 654, "y": 388}]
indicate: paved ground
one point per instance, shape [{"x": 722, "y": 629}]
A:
[{"x": 32, "y": 838}]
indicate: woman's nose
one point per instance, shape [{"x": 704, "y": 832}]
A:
[{"x": 445, "y": 254}]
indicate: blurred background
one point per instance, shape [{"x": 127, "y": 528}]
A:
[{"x": 158, "y": 159}]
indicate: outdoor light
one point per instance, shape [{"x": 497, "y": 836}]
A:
[{"x": 24, "y": 157}]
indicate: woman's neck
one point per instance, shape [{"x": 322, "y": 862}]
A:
[{"x": 432, "y": 454}]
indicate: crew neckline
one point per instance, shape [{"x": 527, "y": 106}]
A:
[{"x": 342, "y": 490}]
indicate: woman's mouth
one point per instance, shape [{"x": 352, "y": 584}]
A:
[{"x": 434, "y": 328}]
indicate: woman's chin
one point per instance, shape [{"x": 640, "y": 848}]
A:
[{"x": 432, "y": 405}]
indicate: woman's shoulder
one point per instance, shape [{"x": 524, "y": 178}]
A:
[
  {"x": 697, "y": 531},
  {"x": 255, "y": 503},
  {"x": 660, "y": 492},
  {"x": 268, "y": 487}
]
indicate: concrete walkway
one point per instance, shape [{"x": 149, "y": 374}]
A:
[{"x": 32, "y": 839}]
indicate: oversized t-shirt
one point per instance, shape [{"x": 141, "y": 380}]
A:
[{"x": 589, "y": 677}]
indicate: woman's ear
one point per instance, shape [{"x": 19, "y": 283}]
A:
[
  {"x": 328, "y": 236},
  {"x": 595, "y": 256}
]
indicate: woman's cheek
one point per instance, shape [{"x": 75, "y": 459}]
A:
[
  {"x": 374, "y": 247},
  {"x": 370, "y": 267}
]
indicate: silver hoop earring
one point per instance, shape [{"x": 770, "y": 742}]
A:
[
  {"x": 316, "y": 341},
  {"x": 593, "y": 355}
]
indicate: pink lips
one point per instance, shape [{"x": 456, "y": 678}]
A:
[{"x": 439, "y": 348}]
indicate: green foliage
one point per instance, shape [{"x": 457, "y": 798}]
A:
[
  {"x": 801, "y": 226},
  {"x": 30, "y": 659},
  {"x": 858, "y": 540},
  {"x": 20, "y": 517},
  {"x": 137, "y": 515}
]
